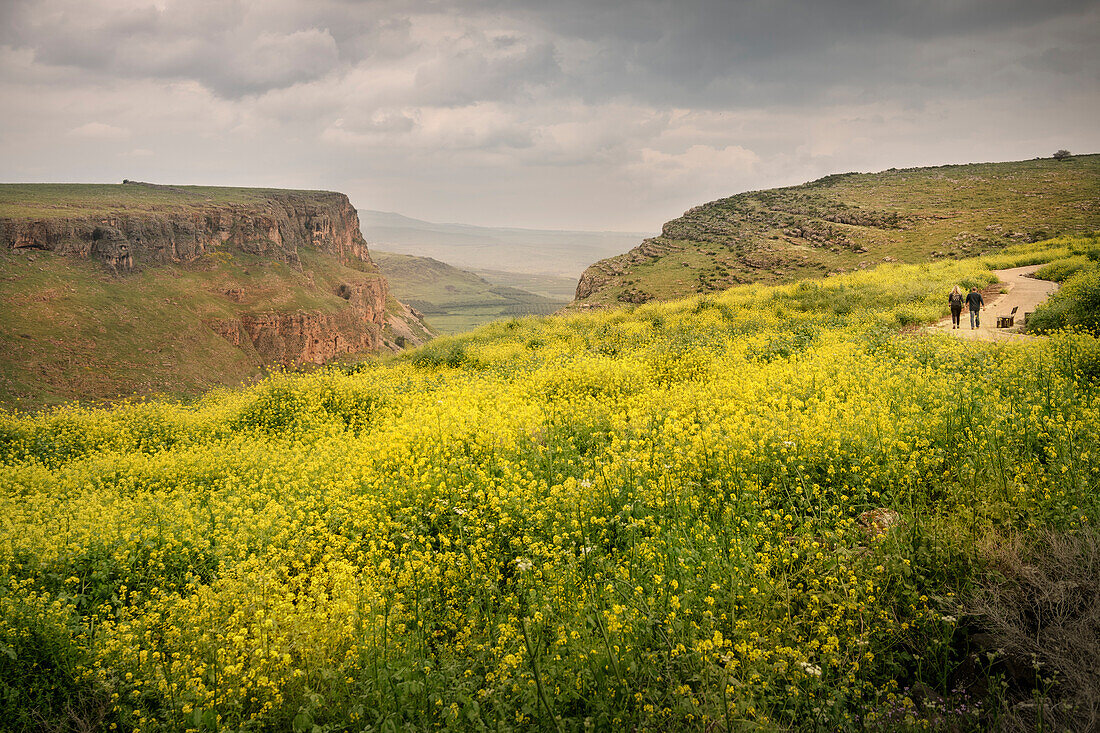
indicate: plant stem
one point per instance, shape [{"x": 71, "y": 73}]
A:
[{"x": 538, "y": 677}]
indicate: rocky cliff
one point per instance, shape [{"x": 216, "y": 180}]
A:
[
  {"x": 275, "y": 226},
  {"x": 284, "y": 276},
  {"x": 292, "y": 339}
]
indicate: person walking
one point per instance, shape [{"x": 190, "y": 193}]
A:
[
  {"x": 975, "y": 302},
  {"x": 955, "y": 300}
]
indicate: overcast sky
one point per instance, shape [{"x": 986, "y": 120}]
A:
[{"x": 563, "y": 114}]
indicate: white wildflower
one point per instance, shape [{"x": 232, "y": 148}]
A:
[{"x": 810, "y": 669}]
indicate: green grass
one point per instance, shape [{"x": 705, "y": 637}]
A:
[
  {"x": 81, "y": 333},
  {"x": 1061, "y": 270},
  {"x": 1077, "y": 304},
  {"x": 454, "y": 300},
  {"x": 61, "y": 200},
  {"x": 847, "y": 222}
]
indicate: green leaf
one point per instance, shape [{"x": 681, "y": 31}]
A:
[{"x": 302, "y": 722}]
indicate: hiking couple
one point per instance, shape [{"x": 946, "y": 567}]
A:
[{"x": 973, "y": 300}]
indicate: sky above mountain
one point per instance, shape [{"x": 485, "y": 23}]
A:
[{"x": 564, "y": 114}]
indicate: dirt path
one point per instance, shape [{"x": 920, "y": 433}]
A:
[{"x": 1024, "y": 292}]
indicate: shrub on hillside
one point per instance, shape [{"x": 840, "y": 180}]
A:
[
  {"x": 1076, "y": 305},
  {"x": 1061, "y": 270},
  {"x": 440, "y": 353}
]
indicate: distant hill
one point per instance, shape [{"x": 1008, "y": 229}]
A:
[
  {"x": 851, "y": 221},
  {"x": 117, "y": 290},
  {"x": 529, "y": 251},
  {"x": 454, "y": 300}
]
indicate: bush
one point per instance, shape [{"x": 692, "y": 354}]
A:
[
  {"x": 440, "y": 353},
  {"x": 1061, "y": 270},
  {"x": 1076, "y": 305}
]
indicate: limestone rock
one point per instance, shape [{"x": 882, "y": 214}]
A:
[
  {"x": 877, "y": 522},
  {"x": 276, "y": 227}
]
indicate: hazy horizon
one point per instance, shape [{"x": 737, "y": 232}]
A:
[{"x": 553, "y": 252}]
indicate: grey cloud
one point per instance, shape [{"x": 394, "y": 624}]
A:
[
  {"x": 389, "y": 38},
  {"x": 1057, "y": 61},
  {"x": 277, "y": 60},
  {"x": 220, "y": 44},
  {"x": 715, "y": 53},
  {"x": 780, "y": 24},
  {"x": 391, "y": 121},
  {"x": 626, "y": 111},
  {"x": 384, "y": 122},
  {"x": 692, "y": 53},
  {"x": 493, "y": 69}
]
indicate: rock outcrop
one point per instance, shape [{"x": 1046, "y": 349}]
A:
[
  {"x": 141, "y": 226},
  {"x": 292, "y": 339},
  {"x": 274, "y": 226}
]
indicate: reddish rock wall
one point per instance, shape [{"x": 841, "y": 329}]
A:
[
  {"x": 275, "y": 227},
  {"x": 290, "y": 339}
]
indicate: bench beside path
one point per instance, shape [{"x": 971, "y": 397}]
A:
[{"x": 1024, "y": 293}]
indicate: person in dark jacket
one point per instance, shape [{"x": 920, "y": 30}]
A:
[
  {"x": 955, "y": 300},
  {"x": 975, "y": 302}
]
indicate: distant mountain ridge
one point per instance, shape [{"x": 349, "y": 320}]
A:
[
  {"x": 470, "y": 247},
  {"x": 851, "y": 221}
]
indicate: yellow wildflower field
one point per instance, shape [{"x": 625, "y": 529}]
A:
[{"x": 643, "y": 519}]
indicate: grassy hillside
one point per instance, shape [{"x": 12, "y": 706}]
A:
[
  {"x": 771, "y": 508},
  {"x": 851, "y": 221},
  {"x": 454, "y": 300},
  {"x": 72, "y": 200},
  {"x": 186, "y": 263},
  {"x": 76, "y": 331}
]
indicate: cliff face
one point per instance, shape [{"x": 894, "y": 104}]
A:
[
  {"x": 275, "y": 227},
  {"x": 291, "y": 339},
  {"x": 139, "y": 227}
]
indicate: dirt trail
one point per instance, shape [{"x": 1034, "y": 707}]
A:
[{"x": 1024, "y": 292}]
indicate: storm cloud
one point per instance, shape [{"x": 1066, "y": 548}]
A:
[{"x": 568, "y": 114}]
